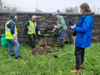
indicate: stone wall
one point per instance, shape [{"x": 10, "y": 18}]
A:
[{"x": 47, "y": 26}]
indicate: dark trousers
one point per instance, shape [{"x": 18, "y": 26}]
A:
[
  {"x": 32, "y": 40},
  {"x": 79, "y": 54}
]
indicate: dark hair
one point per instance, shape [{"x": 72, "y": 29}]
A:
[{"x": 85, "y": 7}]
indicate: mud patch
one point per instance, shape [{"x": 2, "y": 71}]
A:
[{"x": 43, "y": 50}]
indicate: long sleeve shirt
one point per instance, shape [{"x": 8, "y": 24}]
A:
[{"x": 61, "y": 24}]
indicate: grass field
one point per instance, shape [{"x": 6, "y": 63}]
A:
[{"x": 48, "y": 65}]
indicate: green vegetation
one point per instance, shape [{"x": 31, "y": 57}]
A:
[
  {"x": 21, "y": 23},
  {"x": 66, "y": 22},
  {"x": 47, "y": 34},
  {"x": 47, "y": 64},
  {"x": 53, "y": 34}
]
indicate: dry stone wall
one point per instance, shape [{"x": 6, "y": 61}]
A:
[{"x": 47, "y": 25}]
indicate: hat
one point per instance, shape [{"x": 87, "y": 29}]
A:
[
  {"x": 55, "y": 13},
  {"x": 12, "y": 15}
]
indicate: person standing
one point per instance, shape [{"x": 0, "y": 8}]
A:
[
  {"x": 61, "y": 26},
  {"x": 11, "y": 35},
  {"x": 84, "y": 32},
  {"x": 31, "y": 28}
]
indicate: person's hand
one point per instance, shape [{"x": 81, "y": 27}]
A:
[
  {"x": 29, "y": 30},
  {"x": 73, "y": 26},
  {"x": 55, "y": 26},
  {"x": 53, "y": 30}
]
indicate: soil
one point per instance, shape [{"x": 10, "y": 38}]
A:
[{"x": 44, "y": 50}]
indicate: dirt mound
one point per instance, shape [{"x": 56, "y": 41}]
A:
[{"x": 43, "y": 50}]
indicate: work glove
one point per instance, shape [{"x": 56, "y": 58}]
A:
[
  {"x": 39, "y": 33},
  {"x": 15, "y": 37}
]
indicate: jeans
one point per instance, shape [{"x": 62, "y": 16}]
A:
[
  {"x": 79, "y": 54},
  {"x": 62, "y": 35},
  {"x": 16, "y": 44}
]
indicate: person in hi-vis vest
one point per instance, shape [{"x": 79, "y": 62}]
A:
[
  {"x": 31, "y": 28},
  {"x": 11, "y": 35}
]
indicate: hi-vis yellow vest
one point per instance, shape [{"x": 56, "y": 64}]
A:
[
  {"x": 32, "y": 27},
  {"x": 8, "y": 32}
]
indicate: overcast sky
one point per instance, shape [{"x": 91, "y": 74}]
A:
[{"x": 49, "y": 5}]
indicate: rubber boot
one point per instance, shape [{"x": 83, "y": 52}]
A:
[
  {"x": 62, "y": 46},
  {"x": 59, "y": 44}
]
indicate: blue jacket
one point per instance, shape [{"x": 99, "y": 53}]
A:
[
  {"x": 11, "y": 26},
  {"x": 84, "y": 31},
  {"x": 27, "y": 24}
]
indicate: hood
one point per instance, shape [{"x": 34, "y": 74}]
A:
[
  {"x": 92, "y": 14},
  {"x": 10, "y": 19}
]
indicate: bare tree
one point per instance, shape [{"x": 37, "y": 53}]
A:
[
  {"x": 96, "y": 10},
  {"x": 0, "y": 5},
  {"x": 71, "y": 10},
  {"x": 4, "y": 7},
  {"x": 59, "y": 11}
]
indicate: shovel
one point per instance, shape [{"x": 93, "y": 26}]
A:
[{"x": 61, "y": 55}]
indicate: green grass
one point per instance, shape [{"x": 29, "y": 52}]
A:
[{"x": 48, "y": 65}]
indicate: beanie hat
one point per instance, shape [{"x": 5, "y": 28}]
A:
[{"x": 12, "y": 15}]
